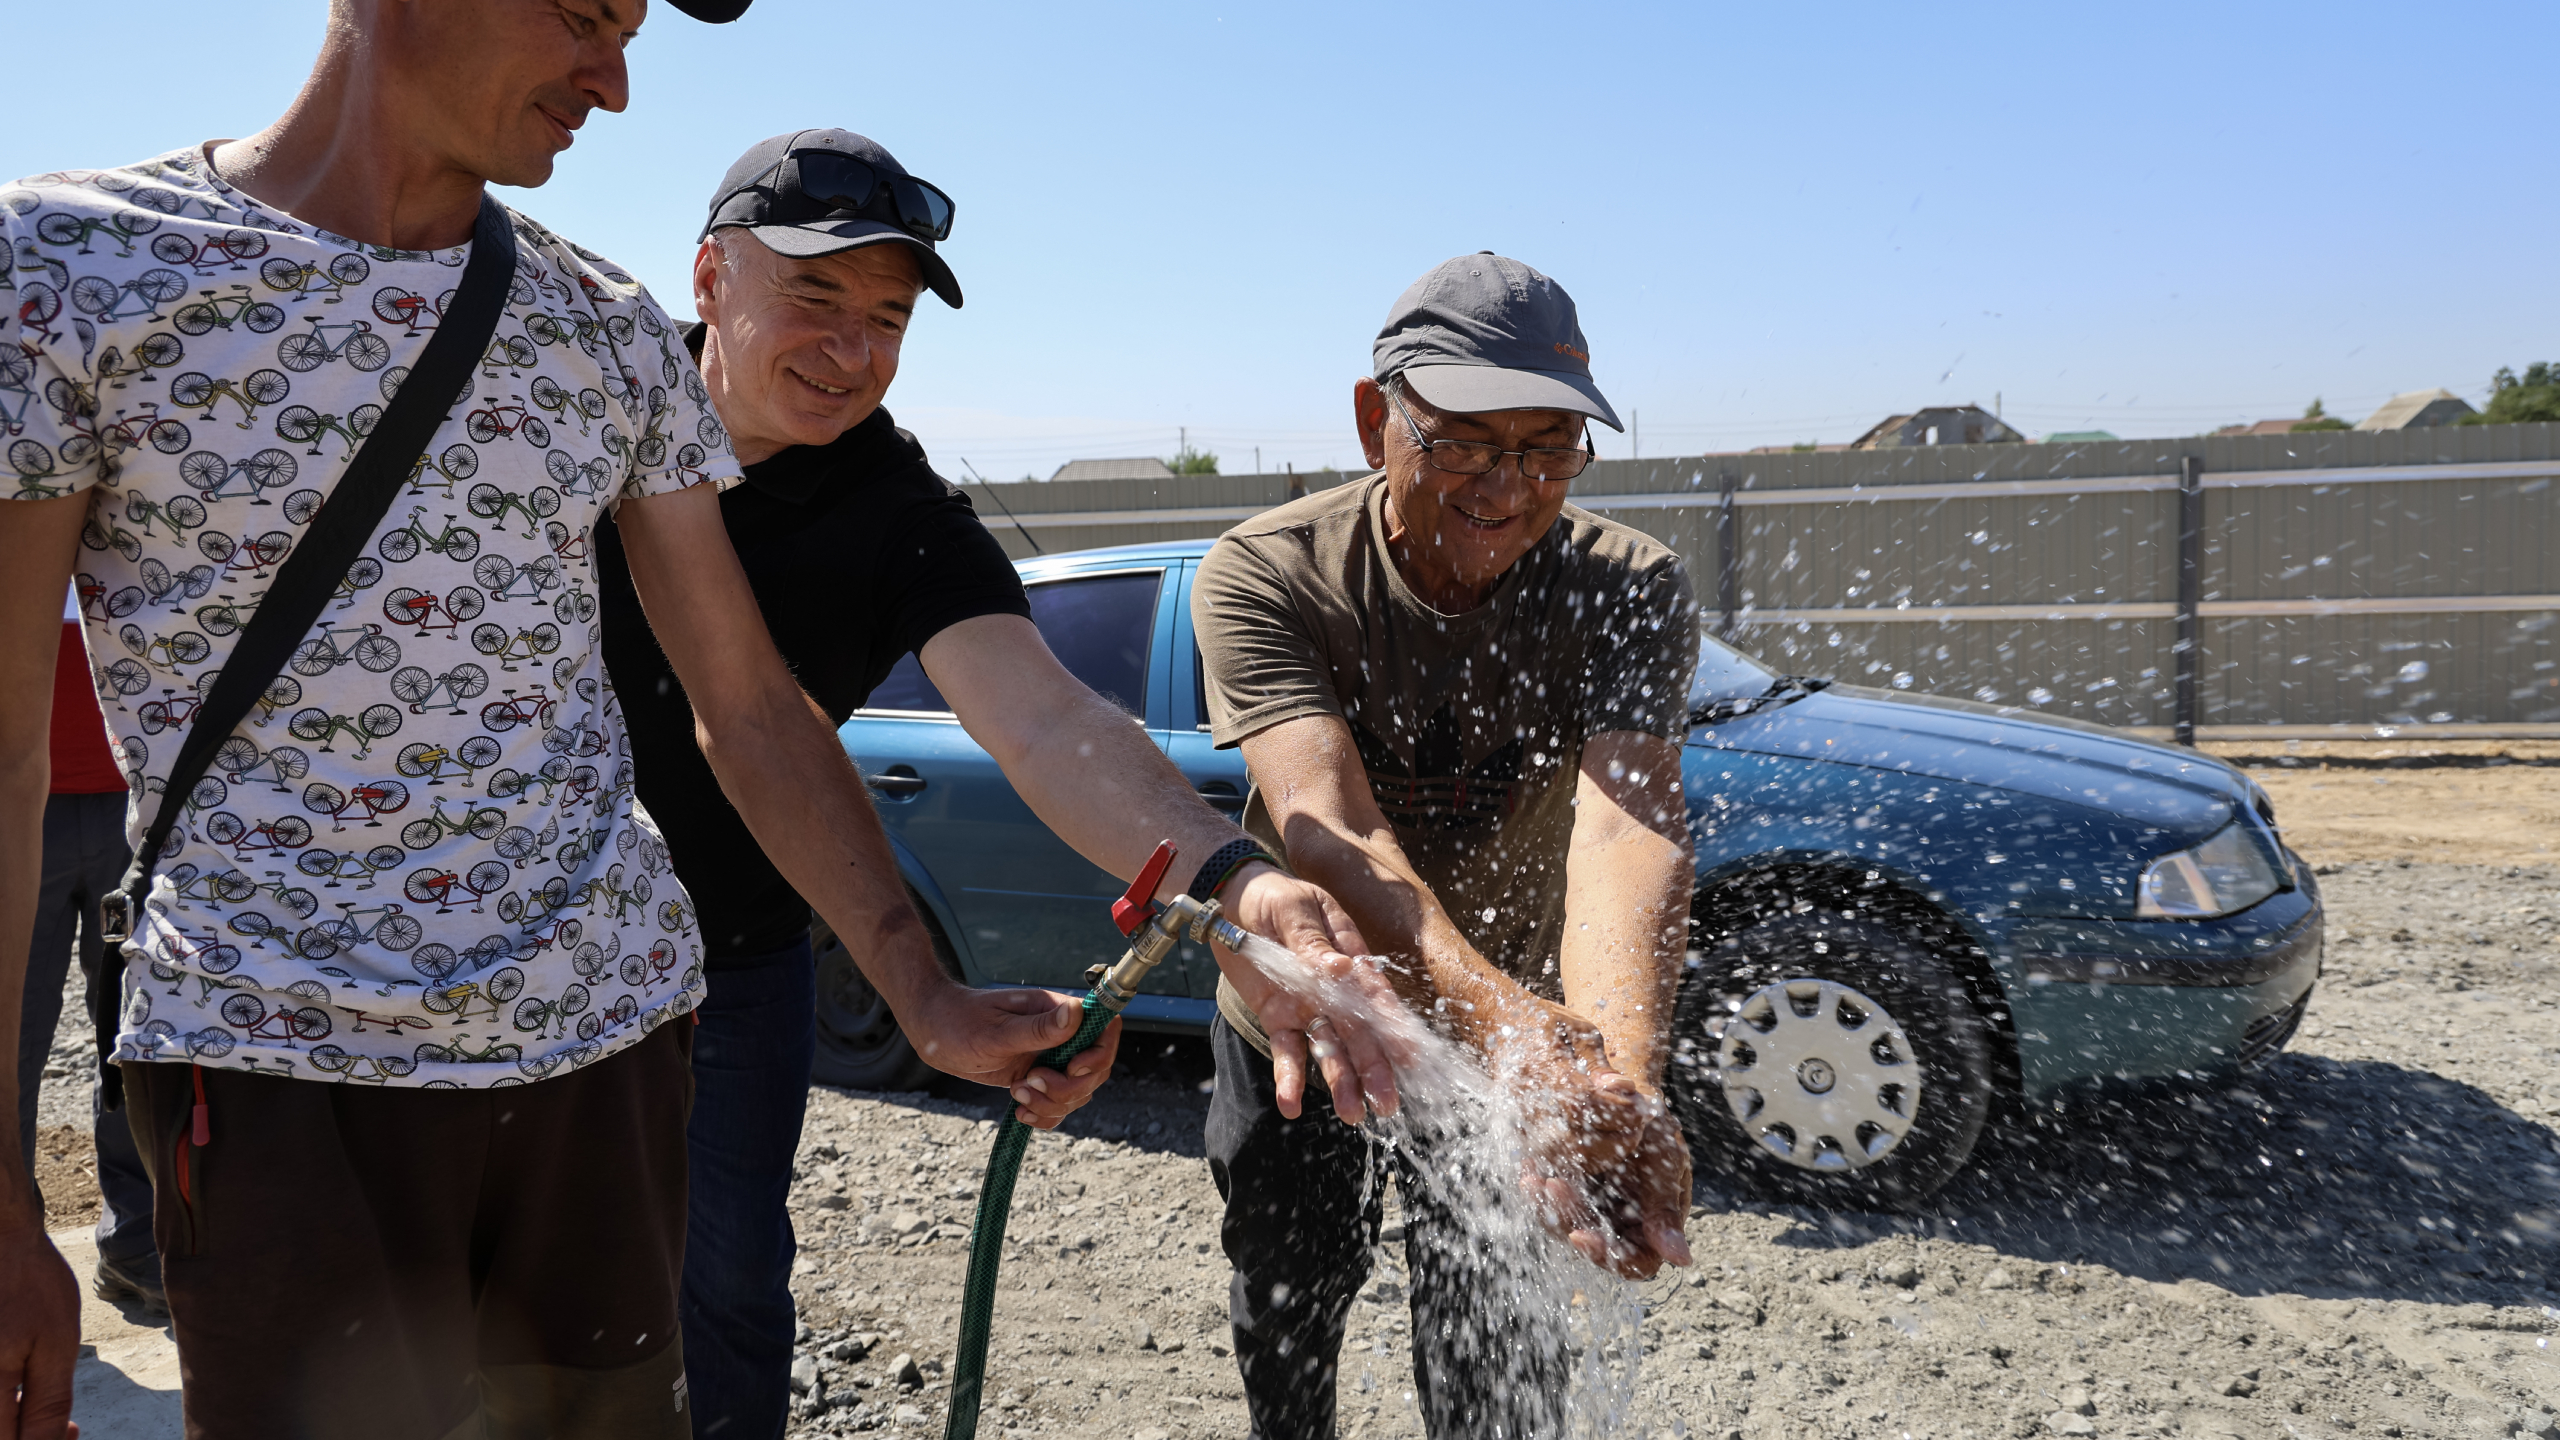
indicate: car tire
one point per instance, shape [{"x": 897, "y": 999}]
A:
[
  {"x": 860, "y": 1045},
  {"x": 1832, "y": 973}
]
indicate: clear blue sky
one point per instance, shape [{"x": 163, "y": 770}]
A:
[{"x": 1781, "y": 222}]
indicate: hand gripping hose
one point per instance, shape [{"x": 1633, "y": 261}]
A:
[{"x": 1153, "y": 931}]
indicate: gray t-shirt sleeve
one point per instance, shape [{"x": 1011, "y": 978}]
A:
[
  {"x": 1648, "y": 653},
  {"x": 1260, "y": 659}
]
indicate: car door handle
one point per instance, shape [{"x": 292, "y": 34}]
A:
[
  {"x": 900, "y": 783},
  {"x": 1223, "y": 796}
]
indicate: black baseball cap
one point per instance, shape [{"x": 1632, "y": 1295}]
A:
[
  {"x": 1483, "y": 332},
  {"x": 713, "y": 12},
  {"x": 762, "y": 195}
]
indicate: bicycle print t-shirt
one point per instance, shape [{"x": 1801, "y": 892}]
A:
[{"x": 418, "y": 861}]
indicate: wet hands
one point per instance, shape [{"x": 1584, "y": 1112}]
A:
[
  {"x": 1629, "y": 1212},
  {"x": 1607, "y": 1164},
  {"x": 1349, "y": 1034},
  {"x": 1340, "y": 1012},
  {"x": 996, "y": 1037}
]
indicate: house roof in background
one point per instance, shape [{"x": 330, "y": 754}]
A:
[
  {"x": 2417, "y": 408},
  {"x": 1969, "y": 424},
  {"x": 1141, "y": 467}
]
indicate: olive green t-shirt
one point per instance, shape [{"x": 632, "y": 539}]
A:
[{"x": 1471, "y": 726}]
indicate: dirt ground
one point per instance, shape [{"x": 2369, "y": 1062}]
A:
[
  {"x": 67, "y": 1175},
  {"x": 2363, "y": 1239},
  {"x": 2449, "y": 802}
]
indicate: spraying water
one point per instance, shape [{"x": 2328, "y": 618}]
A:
[{"x": 1557, "y": 1338}]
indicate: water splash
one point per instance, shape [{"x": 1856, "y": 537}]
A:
[{"x": 1553, "y": 1341}]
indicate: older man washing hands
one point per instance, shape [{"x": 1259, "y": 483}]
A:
[{"x": 1461, "y": 701}]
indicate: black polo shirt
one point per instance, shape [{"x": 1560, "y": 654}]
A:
[{"x": 858, "y": 553}]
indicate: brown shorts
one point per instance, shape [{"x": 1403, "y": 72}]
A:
[{"x": 437, "y": 1264}]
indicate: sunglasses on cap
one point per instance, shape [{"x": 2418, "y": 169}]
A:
[{"x": 831, "y": 182}]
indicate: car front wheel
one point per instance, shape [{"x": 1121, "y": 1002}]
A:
[
  {"x": 1829, "y": 1062},
  {"x": 859, "y": 1043}
]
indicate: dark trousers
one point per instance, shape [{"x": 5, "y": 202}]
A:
[
  {"x": 1302, "y": 1209},
  {"x": 751, "y": 1060},
  {"x": 84, "y": 857},
  {"x": 416, "y": 1264}
]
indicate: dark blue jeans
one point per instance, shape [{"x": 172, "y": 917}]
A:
[
  {"x": 751, "y": 1059},
  {"x": 84, "y": 857}
]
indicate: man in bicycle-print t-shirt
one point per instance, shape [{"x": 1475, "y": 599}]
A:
[
  {"x": 361, "y": 737},
  {"x": 396, "y": 1003},
  {"x": 817, "y": 248}
]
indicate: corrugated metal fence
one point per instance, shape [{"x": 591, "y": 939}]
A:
[{"x": 2333, "y": 579}]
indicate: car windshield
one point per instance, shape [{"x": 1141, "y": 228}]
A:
[{"x": 1726, "y": 674}]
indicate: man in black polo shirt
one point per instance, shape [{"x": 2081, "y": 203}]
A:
[{"x": 817, "y": 247}]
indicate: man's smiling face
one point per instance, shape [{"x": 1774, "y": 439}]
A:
[
  {"x": 800, "y": 351},
  {"x": 507, "y": 82},
  {"x": 1455, "y": 535}
]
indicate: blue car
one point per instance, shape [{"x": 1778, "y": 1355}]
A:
[{"x": 1912, "y": 913}]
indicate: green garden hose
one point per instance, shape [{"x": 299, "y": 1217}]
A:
[
  {"x": 1153, "y": 931},
  {"x": 986, "y": 1238}
]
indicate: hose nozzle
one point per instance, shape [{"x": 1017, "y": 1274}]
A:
[
  {"x": 1179, "y": 919},
  {"x": 1154, "y": 929}
]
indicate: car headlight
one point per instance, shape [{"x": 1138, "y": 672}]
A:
[{"x": 2226, "y": 873}]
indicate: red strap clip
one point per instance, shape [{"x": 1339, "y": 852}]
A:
[{"x": 1139, "y": 906}]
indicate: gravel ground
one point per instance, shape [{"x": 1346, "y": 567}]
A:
[
  {"x": 2362, "y": 1239},
  {"x": 64, "y": 1100}
]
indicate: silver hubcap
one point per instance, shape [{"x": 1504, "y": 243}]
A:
[{"x": 1819, "y": 1075}]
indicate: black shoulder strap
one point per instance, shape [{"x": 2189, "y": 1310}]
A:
[{"x": 308, "y": 577}]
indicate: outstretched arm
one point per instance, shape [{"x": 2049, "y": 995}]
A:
[
  {"x": 1626, "y": 907},
  {"x": 1309, "y": 773},
  {"x": 40, "y": 1320},
  {"x": 1626, "y": 900},
  {"x": 1093, "y": 776},
  {"x": 1611, "y": 1128},
  {"x": 780, "y": 764}
]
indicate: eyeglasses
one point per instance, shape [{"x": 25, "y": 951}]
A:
[
  {"x": 839, "y": 182},
  {"x": 1478, "y": 457}
]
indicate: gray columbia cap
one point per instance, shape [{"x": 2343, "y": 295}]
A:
[
  {"x": 1483, "y": 332},
  {"x": 761, "y": 194}
]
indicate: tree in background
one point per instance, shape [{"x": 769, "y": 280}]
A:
[
  {"x": 2514, "y": 401},
  {"x": 2319, "y": 418},
  {"x": 1187, "y": 461}
]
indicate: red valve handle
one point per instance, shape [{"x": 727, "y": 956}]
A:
[{"x": 1139, "y": 906}]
